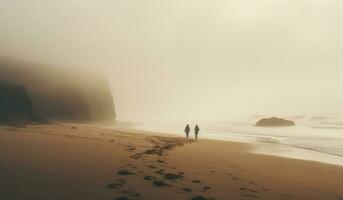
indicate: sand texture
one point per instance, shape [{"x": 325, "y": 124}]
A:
[{"x": 72, "y": 161}]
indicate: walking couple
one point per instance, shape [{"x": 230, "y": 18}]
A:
[{"x": 196, "y": 131}]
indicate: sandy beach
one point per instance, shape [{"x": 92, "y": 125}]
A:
[{"x": 72, "y": 161}]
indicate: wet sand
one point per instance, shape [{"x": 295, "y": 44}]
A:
[{"x": 69, "y": 161}]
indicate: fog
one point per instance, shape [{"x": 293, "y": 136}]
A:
[{"x": 191, "y": 60}]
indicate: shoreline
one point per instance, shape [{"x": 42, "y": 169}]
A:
[
  {"x": 267, "y": 146},
  {"x": 59, "y": 161},
  {"x": 298, "y": 153}
]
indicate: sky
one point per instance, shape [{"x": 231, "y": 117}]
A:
[{"x": 190, "y": 60}]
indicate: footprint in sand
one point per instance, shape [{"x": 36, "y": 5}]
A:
[
  {"x": 201, "y": 198},
  {"x": 125, "y": 172},
  {"x": 247, "y": 189},
  {"x": 130, "y": 148},
  {"x": 44, "y": 133},
  {"x": 250, "y": 196},
  {"x": 251, "y": 190},
  {"x": 251, "y": 182},
  {"x": 121, "y": 183},
  {"x": 122, "y": 198},
  {"x": 70, "y": 136},
  {"x": 160, "y": 184},
  {"x": 156, "y": 182},
  {"x": 114, "y": 186},
  {"x": 171, "y": 176},
  {"x": 187, "y": 190},
  {"x": 206, "y": 188},
  {"x": 131, "y": 193},
  {"x": 161, "y": 171},
  {"x": 252, "y": 193},
  {"x": 288, "y": 196},
  {"x": 149, "y": 178},
  {"x": 137, "y": 156},
  {"x": 161, "y": 146},
  {"x": 235, "y": 178}
]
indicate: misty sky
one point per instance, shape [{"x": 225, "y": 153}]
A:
[{"x": 191, "y": 59}]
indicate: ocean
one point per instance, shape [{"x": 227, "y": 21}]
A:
[{"x": 314, "y": 138}]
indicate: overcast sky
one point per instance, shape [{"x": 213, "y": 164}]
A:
[{"x": 191, "y": 59}]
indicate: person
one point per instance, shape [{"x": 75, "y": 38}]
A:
[
  {"x": 187, "y": 130},
  {"x": 196, "y": 131}
]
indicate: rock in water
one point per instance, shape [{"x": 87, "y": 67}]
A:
[{"x": 274, "y": 122}]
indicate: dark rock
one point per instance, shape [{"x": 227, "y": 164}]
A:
[{"x": 274, "y": 122}]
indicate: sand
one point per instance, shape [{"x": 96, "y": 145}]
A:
[{"x": 69, "y": 161}]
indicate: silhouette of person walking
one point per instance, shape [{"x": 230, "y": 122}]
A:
[
  {"x": 196, "y": 131},
  {"x": 187, "y": 130}
]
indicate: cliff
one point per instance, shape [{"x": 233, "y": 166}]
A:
[
  {"x": 15, "y": 106},
  {"x": 61, "y": 94}
]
